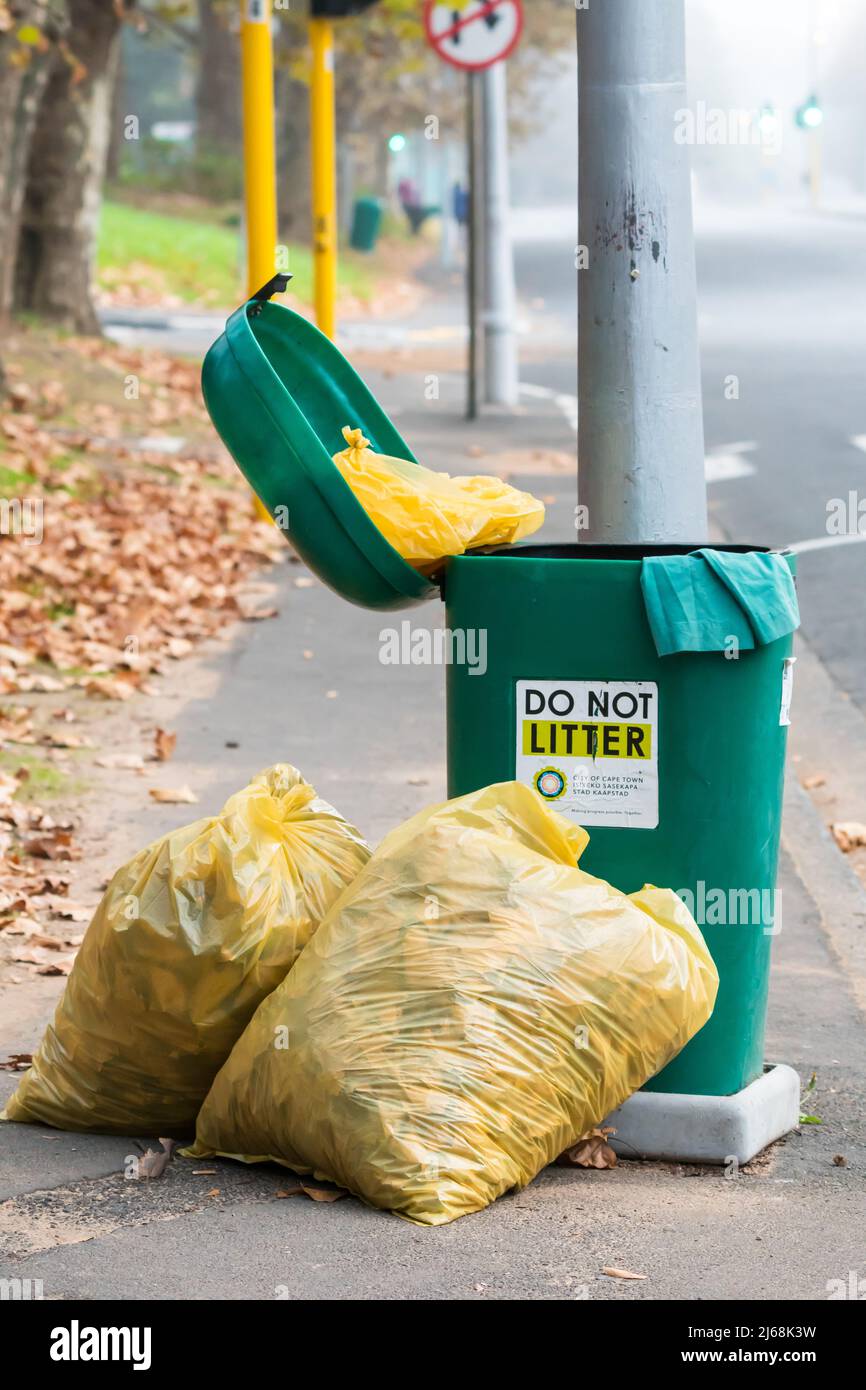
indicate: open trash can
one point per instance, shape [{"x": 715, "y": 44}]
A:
[{"x": 674, "y": 763}]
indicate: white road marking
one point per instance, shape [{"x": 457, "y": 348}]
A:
[
  {"x": 824, "y": 543},
  {"x": 727, "y": 462},
  {"x": 563, "y": 402},
  {"x": 720, "y": 466}
]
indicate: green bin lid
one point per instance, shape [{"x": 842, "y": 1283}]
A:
[{"x": 279, "y": 393}]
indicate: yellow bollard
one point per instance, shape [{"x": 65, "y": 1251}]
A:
[
  {"x": 260, "y": 161},
  {"x": 324, "y": 190},
  {"x": 260, "y": 165}
]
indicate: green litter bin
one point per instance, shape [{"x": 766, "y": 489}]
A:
[
  {"x": 366, "y": 224},
  {"x": 674, "y": 764},
  {"x": 684, "y": 791}
]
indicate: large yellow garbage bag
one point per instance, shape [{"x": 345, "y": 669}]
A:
[
  {"x": 189, "y": 938},
  {"x": 472, "y": 1005},
  {"x": 426, "y": 515}
]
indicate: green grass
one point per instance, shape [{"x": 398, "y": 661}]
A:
[
  {"x": 12, "y": 482},
  {"x": 45, "y": 781},
  {"x": 196, "y": 259}
]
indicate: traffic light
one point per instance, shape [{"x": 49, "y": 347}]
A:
[
  {"x": 810, "y": 115},
  {"x": 338, "y": 9}
]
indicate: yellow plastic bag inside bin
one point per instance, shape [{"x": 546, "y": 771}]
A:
[
  {"x": 425, "y": 515},
  {"x": 472, "y": 1005},
  {"x": 189, "y": 938}
]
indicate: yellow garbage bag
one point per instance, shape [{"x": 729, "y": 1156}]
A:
[
  {"x": 472, "y": 1006},
  {"x": 426, "y": 515},
  {"x": 189, "y": 938}
]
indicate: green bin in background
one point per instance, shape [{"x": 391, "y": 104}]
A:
[
  {"x": 366, "y": 224},
  {"x": 700, "y": 815}
]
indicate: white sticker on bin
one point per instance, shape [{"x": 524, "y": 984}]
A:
[
  {"x": 787, "y": 689},
  {"x": 590, "y": 748}
]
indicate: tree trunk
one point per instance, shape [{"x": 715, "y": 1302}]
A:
[
  {"x": 218, "y": 90},
  {"x": 293, "y": 157},
  {"x": 65, "y": 171},
  {"x": 119, "y": 108},
  {"x": 24, "y": 73}
]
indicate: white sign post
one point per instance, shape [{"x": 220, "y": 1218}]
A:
[{"x": 476, "y": 36}]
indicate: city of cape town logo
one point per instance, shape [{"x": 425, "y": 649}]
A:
[{"x": 550, "y": 782}]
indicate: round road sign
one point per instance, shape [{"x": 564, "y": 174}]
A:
[{"x": 473, "y": 34}]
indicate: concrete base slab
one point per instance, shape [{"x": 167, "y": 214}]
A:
[{"x": 709, "y": 1129}]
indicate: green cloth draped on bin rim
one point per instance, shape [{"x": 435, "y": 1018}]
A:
[{"x": 699, "y": 602}]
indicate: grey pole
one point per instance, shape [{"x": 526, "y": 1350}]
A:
[
  {"x": 640, "y": 428},
  {"x": 500, "y": 335},
  {"x": 473, "y": 175}
]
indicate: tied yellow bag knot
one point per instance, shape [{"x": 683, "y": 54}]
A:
[
  {"x": 357, "y": 445},
  {"x": 472, "y": 1005},
  {"x": 189, "y": 938},
  {"x": 427, "y": 516}
]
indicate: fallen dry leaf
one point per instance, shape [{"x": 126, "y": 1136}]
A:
[
  {"x": 42, "y": 684},
  {"x": 57, "y": 967},
  {"x": 130, "y": 761},
  {"x": 163, "y": 744},
  {"x": 178, "y": 647},
  {"x": 49, "y": 943},
  {"x": 17, "y": 1061},
  {"x": 816, "y": 780},
  {"x": 110, "y": 689},
  {"x": 593, "y": 1151},
  {"x": 252, "y": 612},
  {"x": 53, "y": 843},
  {"x": 54, "y": 740},
  {"x": 613, "y": 1273},
  {"x": 849, "y": 835},
  {"x": 173, "y": 795},
  {"x": 315, "y": 1193},
  {"x": 17, "y": 926},
  {"x": 153, "y": 1162}
]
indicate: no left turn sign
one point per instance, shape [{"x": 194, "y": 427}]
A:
[{"x": 473, "y": 34}]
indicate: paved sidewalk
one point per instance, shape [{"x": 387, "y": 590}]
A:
[{"x": 781, "y": 1229}]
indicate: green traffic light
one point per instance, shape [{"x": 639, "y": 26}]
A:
[
  {"x": 397, "y": 143},
  {"x": 810, "y": 115}
]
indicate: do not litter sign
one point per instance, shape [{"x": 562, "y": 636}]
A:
[
  {"x": 473, "y": 34},
  {"x": 590, "y": 749}
]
